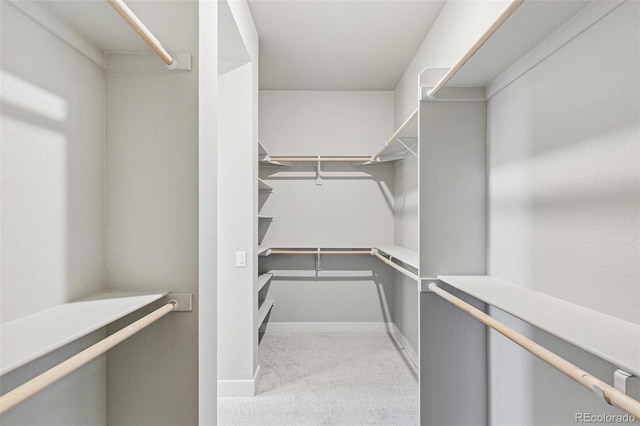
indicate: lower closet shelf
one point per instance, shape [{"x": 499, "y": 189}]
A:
[
  {"x": 264, "y": 280},
  {"x": 264, "y": 311},
  {"x": 25, "y": 339}
]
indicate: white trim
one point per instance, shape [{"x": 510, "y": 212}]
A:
[
  {"x": 404, "y": 343},
  {"x": 43, "y": 16},
  {"x": 588, "y": 17},
  {"x": 239, "y": 387},
  {"x": 324, "y": 327}
]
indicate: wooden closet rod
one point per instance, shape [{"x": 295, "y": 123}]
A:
[
  {"x": 394, "y": 266},
  {"x": 315, "y": 159},
  {"x": 393, "y": 137},
  {"x": 610, "y": 394},
  {"x": 137, "y": 25},
  {"x": 35, "y": 385},
  {"x": 321, "y": 252},
  {"x": 513, "y": 6}
]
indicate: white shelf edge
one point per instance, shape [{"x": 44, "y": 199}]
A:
[
  {"x": 30, "y": 337},
  {"x": 263, "y": 250},
  {"x": 609, "y": 338},
  {"x": 404, "y": 255},
  {"x": 264, "y": 311},
  {"x": 260, "y": 217},
  {"x": 264, "y": 280},
  {"x": 264, "y": 186}
]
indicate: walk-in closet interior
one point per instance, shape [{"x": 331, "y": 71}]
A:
[{"x": 276, "y": 212}]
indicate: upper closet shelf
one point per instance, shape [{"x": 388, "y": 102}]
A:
[
  {"x": 116, "y": 42},
  {"x": 612, "y": 339},
  {"x": 401, "y": 144},
  {"x": 264, "y": 158},
  {"x": 519, "y": 30},
  {"x": 406, "y": 256},
  {"x": 30, "y": 337}
]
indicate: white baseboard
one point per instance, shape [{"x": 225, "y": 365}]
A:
[
  {"x": 239, "y": 387},
  {"x": 323, "y": 327}
]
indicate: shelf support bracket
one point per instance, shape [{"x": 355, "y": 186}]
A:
[
  {"x": 406, "y": 147},
  {"x": 318, "y": 171},
  {"x": 620, "y": 380},
  {"x": 318, "y": 264}
]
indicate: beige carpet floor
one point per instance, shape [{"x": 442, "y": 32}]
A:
[{"x": 328, "y": 379}]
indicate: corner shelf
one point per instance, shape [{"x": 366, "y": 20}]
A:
[
  {"x": 264, "y": 158},
  {"x": 612, "y": 339},
  {"x": 264, "y": 186},
  {"x": 30, "y": 337},
  {"x": 263, "y": 280},
  {"x": 264, "y": 311}
]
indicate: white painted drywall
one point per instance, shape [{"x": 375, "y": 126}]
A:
[
  {"x": 237, "y": 207},
  {"x": 406, "y": 233},
  {"x": 52, "y": 166},
  {"x": 237, "y": 298},
  {"x": 458, "y": 26},
  {"x": 352, "y": 208},
  {"x": 207, "y": 212},
  {"x": 152, "y": 235},
  {"x": 52, "y": 169},
  {"x": 564, "y": 202}
]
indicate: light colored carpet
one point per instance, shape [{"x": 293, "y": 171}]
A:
[{"x": 328, "y": 379}]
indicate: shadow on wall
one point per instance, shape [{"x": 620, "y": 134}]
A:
[{"x": 36, "y": 188}]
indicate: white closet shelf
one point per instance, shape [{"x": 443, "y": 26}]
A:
[
  {"x": 264, "y": 311},
  {"x": 523, "y": 32},
  {"x": 406, "y": 256},
  {"x": 264, "y": 280},
  {"x": 264, "y": 186},
  {"x": 30, "y": 337},
  {"x": 267, "y": 218},
  {"x": 612, "y": 339},
  {"x": 264, "y": 158}
]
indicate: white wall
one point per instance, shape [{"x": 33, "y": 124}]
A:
[
  {"x": 207, "y": 212},
  {"x": 152, "y": 235},
  {"x": 564, "y": 202},
  {"x": 237, "y": 206},
  {"x": 353, "y": 207},
  {"x": 406, "y": 233},
  {"x": 52, "y": 166}
]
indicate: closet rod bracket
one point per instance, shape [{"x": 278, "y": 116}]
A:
[
  {"x": 318, "y": 171},
  {"x": 424, "y": 285},
  {"x": 318, "y": 264},
  {"x": 620, "y": 380},
  {"x": 183, "y": 301}
]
